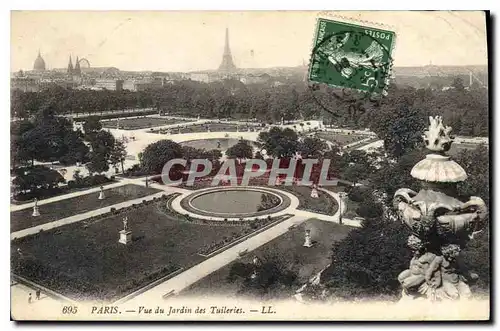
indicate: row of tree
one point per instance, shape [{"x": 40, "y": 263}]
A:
[{"x": 465, "y": 110}]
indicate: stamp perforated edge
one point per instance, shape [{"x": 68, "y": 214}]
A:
[{"x": 336, "y": 16}]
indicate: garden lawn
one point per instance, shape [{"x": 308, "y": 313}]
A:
[
  {"x": 214, "y": 127},
  {"x": 140, "y": 123},
  {"x": 46, "y": 194},
  {"x": 324, "y": 204},
  {"x": 85, "y": 261},
  {"x": 287, "y": 249},
  {"x": 54, "y": 211},
  {"x": 458, "y": 148},
  {"x": 341, "y": 139},
  {"x": 210, "y": 144}
]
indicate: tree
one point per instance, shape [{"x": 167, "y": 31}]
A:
[
  {"x": 91, "y": 127},
  {"x": 368, "y": 208},
  {"x": 336, "y": 160},
  {"x": 391, "y": 176},
  {"x": 241, "y": 150},
  {"x": 367, "y": 262},
  {"x": 458, "y": 84},
  {"x": 49, "y": 136},
  {"x": 401, "y": 129},
  {"x": 22, "y": 150},
  {"x": 157, "y": 154},
  {"x": 118, "y": 154},
  {"x": 36, "y": 178},
  {"x": 77, "y": 151},
  {"x": 476, "y": 164},
  {"x": 355, "y": 173},
  {"x": 312, "y": 147},
  {"x": 270, "y": 280},
  {"x": 103, "y": 144},
  {"x": 98, "y": 163},
  {"x": 279, "y": 142},
  {"x": 477, "y": 255}
]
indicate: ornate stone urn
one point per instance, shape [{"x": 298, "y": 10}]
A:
[{"x": 441, "y": 224}]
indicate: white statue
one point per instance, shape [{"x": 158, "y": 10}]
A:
[
  {"x": 314, "y": 192},
  {"x": 101, "y": 194},
  {"x": 125, "y": 223},
  {"x": 36, "y": 210},
  {"x": 308, "y": 242}
]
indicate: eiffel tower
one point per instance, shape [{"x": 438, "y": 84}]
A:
[{"x": 227, "y": 64}]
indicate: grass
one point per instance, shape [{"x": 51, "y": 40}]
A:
[
  {"x": 53, "y": 211},
  {"x": 140, "y": 123},
  {"x": 87, "y": 262},
  {"x": 214, "y": 127},
  {"x": 61, "y": 190},
  {"x": 458, "y": 148},
  {"x": 287, "y": 249},
  {"x": 341, "y": 139},
  {"x": 209, "y": 144},
  {"x": 324, "y": 204}
]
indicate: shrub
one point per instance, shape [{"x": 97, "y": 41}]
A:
[
  {"x": 358, "y": 194},
  {"x": 369, "y": 209},
  {"x": 113, "y": 209}
]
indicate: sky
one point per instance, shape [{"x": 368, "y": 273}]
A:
[{"x": 189, "y": 41}]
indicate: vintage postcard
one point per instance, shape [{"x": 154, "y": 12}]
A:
[{"x": 249, "y": 166}]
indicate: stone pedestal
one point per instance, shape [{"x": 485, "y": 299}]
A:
[
  {"x": 314, "y": 193},
  {"x": 125, "y": 237},
  {"x": 36, "y": 211}
]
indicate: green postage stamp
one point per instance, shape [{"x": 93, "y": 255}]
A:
[{"x": 352, "y": 56}]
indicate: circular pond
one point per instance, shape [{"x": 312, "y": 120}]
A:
[{"x": 233, "y": 202}]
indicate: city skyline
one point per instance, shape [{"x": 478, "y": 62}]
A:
[{"x": 170, "y": 41}]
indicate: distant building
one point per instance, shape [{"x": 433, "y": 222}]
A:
[
  {"x": 39, "y": 64},
  {"x": 76, "y": 70},
  {"x": 200, "y": 77},
  {"x": 109, "y": 84},
  {"x": 70, "y": 66},
  {"x": 227, "y": 64},
  {"x": 255, "y": 79},
  {"x": 148, "y": 84}
]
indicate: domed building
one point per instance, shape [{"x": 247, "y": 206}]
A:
[{"x": 39, "y": 63}]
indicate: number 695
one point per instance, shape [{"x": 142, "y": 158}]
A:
[{"x": 70, "y": 310}]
